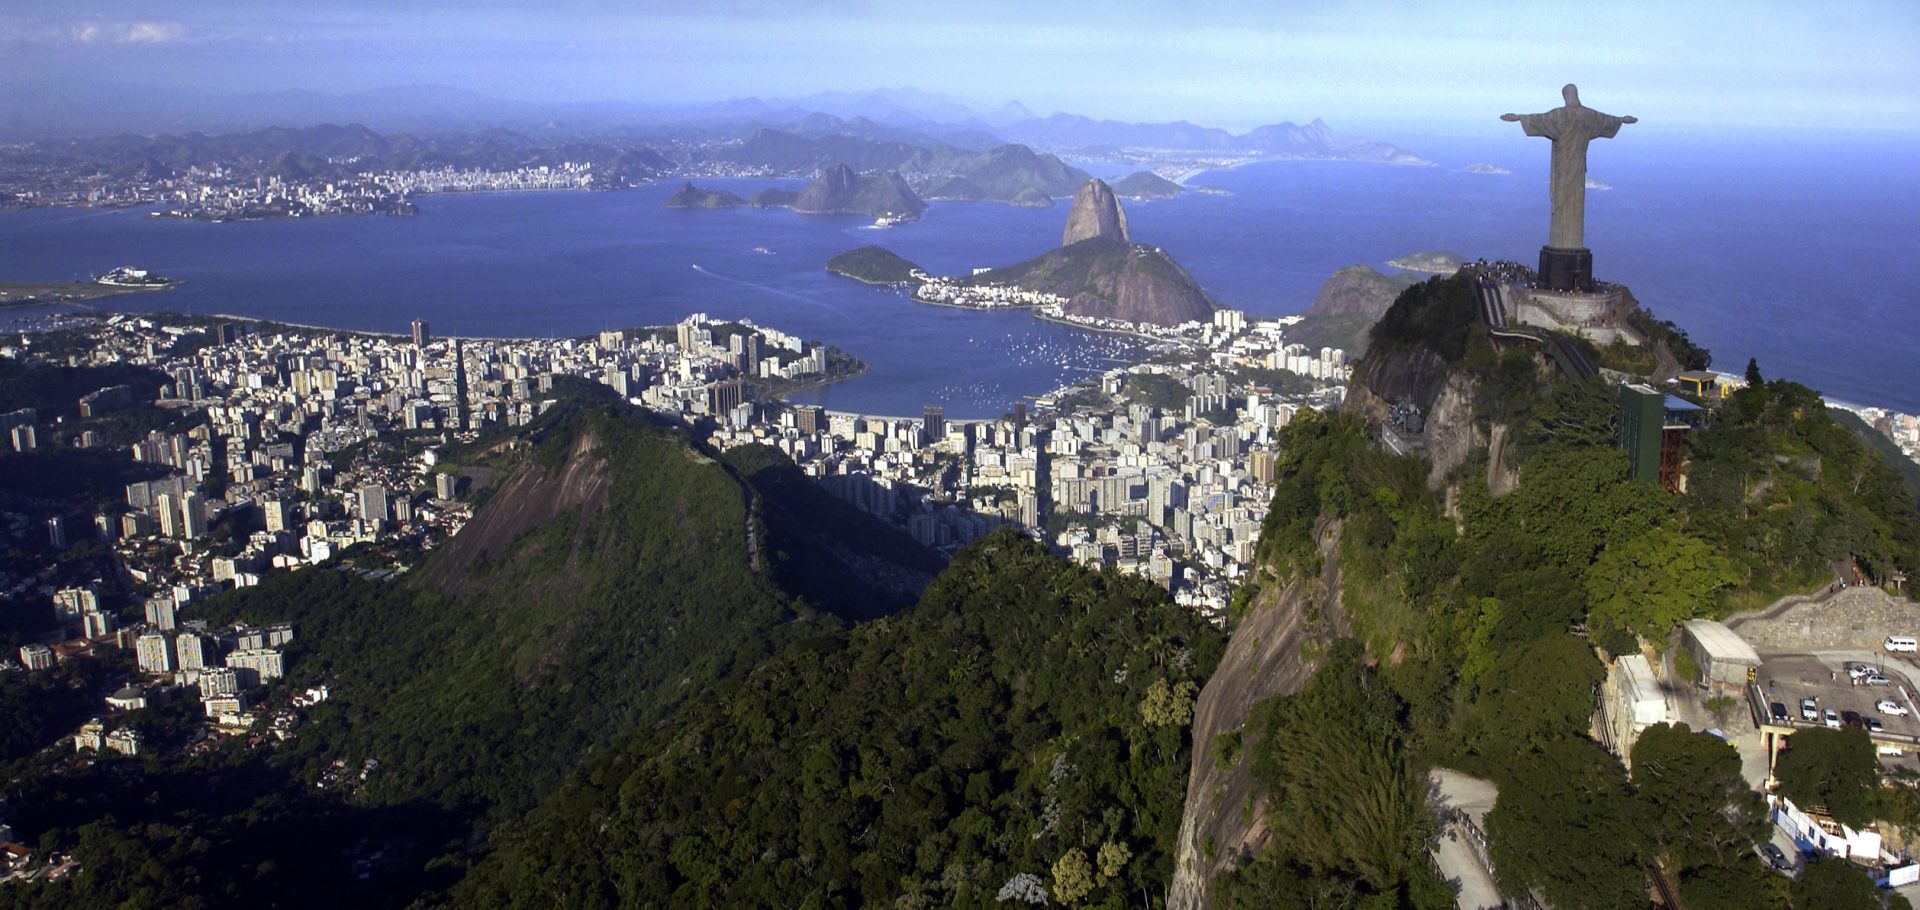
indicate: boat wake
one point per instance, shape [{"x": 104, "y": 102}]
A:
[{"x": 782, "y": 292}]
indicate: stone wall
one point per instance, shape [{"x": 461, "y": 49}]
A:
[
  {"x": 1593, "y": 316},
  {"x": 1854, "y": 619}
]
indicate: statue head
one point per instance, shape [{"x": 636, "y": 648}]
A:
[{"x": 1571, "y": 93}]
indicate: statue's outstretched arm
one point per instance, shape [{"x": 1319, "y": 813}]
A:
[
  {"x": 1510, "y": 118},
  {"x": 1629, "y": 120}
]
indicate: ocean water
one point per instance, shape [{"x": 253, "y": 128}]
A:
[{"x": 1795, "y": 254}]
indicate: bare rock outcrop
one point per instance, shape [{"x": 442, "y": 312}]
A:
[
  {"x": 1451, "y": 434},
  {"x": 1096, "y": 212},
  {"x": 1273, "y": 651}
]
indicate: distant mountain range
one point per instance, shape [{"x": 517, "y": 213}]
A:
[
  {"x": 903, "y": 115},
  {"x": 1287, "y": 140},
  {"x": 938, "y": 171},
  {"x": 938, "y": 147}
]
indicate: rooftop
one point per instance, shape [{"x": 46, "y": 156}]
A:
[{"x": 1721, "y": 643}]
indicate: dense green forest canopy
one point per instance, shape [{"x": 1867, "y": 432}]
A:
[
  {"x": 1479, "y": 609},
  {"x": 1022, "y": 727}
]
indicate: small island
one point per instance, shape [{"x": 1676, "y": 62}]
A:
[
  {"x": 1593, "y": 184},
  {"x": 1031, "y": 198},
  {"x": 837, "y": 190},
  {"x": 130, "y": 278},
  {"x": 693, "y": 197},
  {"x": 1485, "y": 168},
  {"x": 1146, "y": 185},
  {"x": 875, "y": 265},
  {"x": 1431, "y": 262}
]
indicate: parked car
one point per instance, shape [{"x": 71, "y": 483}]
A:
[
  {"x": 1775, "y": 858},
  {"x": 1851, "y": 719},
  {"x": 1855, "y": 671},
  {"x": 1809, "y": 709},
  {"x": 1779, "y": 712},
  {"x": 1830, "y": 718},
  {"x": 1875, "y": 679},
  {"x": 1889, "y": 706},
  {"x": 1873, "y": 725}
]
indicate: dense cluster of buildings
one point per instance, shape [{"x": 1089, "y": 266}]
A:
[
  {"x": 222, "y": 193},
  {"x": 941, "y": 289},
  {"x": 1173, "y": 494},
  {"x": 277, "y": 469}
]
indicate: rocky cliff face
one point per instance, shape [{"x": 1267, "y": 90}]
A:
[
  {"x": 1418, "y": 376},
  {"x": 1096, "y": 213},
  {"x": 839, "y": 190},
  {"x": 1225, "y": 822},
  {"x": 1409, "y": 375},
  {"x": 1451, "y": 434}
]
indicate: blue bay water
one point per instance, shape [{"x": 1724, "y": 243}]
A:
[{"x": 1796, "y": 254}]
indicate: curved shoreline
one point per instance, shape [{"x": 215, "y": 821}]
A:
[{"x": 1127, "y": 332}]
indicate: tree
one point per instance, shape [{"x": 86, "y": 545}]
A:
[
  {"x": 1567, "y": 824},
  {"x": 1701, "y": 809},
  {"x": 1753, "y": 373},
  {"x": 1655, "y": 581},
  {"x": 1532, "y": 695},
  {"x": 1113, "y": 859},
  {"x": 1743, "y": 885},
  {"x": 1072, "y": 876},
  {"x": 1345, "y": 793},
  {"x": 1828, "y": 883},
  {"x": 1169, "y": 706},
  {"x": 1831, "y": 768}
]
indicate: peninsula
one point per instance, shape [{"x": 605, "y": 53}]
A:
[
  {"x": 874, "y": 265},
  {"x": 1097, "y": 276}
]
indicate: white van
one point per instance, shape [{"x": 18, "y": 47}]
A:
[{"x": 1902, "y": 643}]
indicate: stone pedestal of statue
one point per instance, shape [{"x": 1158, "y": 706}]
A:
[{"x": 1565, "y": 270}]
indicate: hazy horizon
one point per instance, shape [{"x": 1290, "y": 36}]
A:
[{"x": 1444, "y": 68}]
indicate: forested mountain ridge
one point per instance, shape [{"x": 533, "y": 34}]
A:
[
  {"x": 1020, "y": 733},
  {"x": 1482, "y": 599},
  {"x": 613, "y": 571}
]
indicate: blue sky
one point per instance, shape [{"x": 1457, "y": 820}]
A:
[{"x": 1372, "y": 65}]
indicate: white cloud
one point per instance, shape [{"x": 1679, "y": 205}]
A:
[
  {"x": 139, "y": 32},
  {"x": 152, "y": 32}
]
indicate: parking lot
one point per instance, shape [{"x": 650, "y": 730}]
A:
[{"x": 1787, "y": 679}]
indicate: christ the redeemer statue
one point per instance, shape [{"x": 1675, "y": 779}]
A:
[{"x": 1565, "y": 262}]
